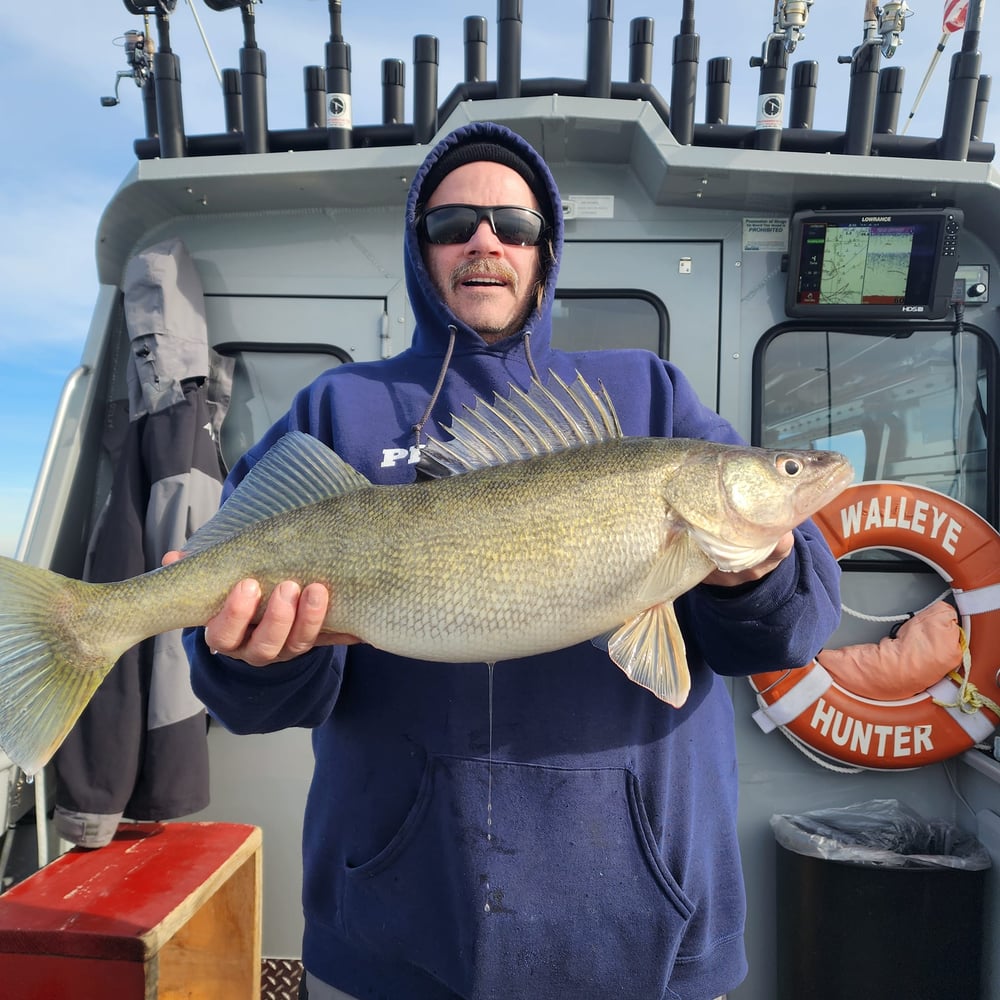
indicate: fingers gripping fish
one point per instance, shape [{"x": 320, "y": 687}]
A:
[{"x": 537, "y": 527}]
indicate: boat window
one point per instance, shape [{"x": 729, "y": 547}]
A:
[
  {"x": 590, "y": 321},
  {"x": 910, "y": 404},
  {"x": 264, "y": 384}
]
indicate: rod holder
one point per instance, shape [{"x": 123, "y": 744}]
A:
[
  {"x": 232, "y": 100},
  {"x": 982, "y": 105},
  {"x": 393, "y": 91},
  {"x": 510, "y": 17},
  {"x": 600, "y": 23},
  {"x": 802, "y": 108},
  {"x": 640, "y": 50},
  {"x": 425, "y": 87},
  {"x": 475, "y": 49},
  {"x": 684, "y": 77},
  {"x": 890, "y": 92},
  {"x": 718, "y": 87}
]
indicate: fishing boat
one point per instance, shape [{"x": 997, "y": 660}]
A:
[{"x": 829, "y": 289}]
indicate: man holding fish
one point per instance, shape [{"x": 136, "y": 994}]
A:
[{"x": 547, "y": 829}]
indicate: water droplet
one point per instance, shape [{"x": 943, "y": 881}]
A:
[
  {"x": 486, "y": 908},
  {"x": 489, "y": 794}
]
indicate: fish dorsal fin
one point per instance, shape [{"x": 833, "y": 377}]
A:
[
  {"x": 296, "y": 471},
  {"x": 543, "y": 420}
]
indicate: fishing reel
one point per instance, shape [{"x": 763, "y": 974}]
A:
[
  {"x": 139, "y": 48},
  {"x": 891, "y": 22},
  {"x": 158, "y": 8},
  {"x": 790, "y": 18}
]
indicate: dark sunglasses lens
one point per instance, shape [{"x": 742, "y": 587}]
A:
[
  {"x": 457, "y": 223},
  {"x": 450, "y": 224},
  {"x": 517, "y": 226}
]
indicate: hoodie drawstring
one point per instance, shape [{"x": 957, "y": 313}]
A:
[
  {"x": 418, "y": 427},
  {"x": 528, "y": 357}
]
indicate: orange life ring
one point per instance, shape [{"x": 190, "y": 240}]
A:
[{"x": 935, "y": 724}]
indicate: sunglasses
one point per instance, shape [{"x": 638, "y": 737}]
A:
[{"x": 512, "y": 225}]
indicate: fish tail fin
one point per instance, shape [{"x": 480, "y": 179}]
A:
[
  {"x": 49, "y": 667},
  {"x": 650, "y": 650}
]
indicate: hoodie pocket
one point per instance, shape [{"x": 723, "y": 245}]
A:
[{"x": 518, "y": 880}]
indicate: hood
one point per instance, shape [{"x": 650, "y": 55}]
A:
[{"x": 433, "y": 317}]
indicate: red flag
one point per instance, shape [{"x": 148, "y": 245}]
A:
[{"x": 954, "y": 15}]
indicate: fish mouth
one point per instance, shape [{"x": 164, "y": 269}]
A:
[
  {"x": 842, "y": 475},
  {"x": 838, "y": 478}
]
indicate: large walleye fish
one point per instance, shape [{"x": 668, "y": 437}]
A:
[{"x": 540, "y": 527}]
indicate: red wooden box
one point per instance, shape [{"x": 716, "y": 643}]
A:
[{"x": 165, "y": 911}]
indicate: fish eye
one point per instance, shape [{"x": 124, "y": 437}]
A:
[{"x": 790, "y": 466}]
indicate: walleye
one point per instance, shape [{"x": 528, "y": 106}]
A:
[{"x": 539, "y": 526}]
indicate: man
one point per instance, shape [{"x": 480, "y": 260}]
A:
[{"x": 564, "y": 834}]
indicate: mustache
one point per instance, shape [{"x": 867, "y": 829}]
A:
[{"x": 485, "y": 267}]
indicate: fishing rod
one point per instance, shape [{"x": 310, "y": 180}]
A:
[{"x": 882, "y": 35}]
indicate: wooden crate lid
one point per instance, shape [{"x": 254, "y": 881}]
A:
[{"x": 123, "y": 901}]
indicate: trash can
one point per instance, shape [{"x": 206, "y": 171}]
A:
[{"x": 873, "y": 900}]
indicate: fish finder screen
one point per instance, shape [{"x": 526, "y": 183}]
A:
[{"x": 894, "y": 263}]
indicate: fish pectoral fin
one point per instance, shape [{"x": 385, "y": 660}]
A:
[
  {"x": 650, "y": 650},
  {"x": 681, "y": 565}
]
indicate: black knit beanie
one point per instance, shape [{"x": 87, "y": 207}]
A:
[{"x": 492, "y": 152}]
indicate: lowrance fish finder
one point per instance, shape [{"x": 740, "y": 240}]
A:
[{"x": 876, "y": 264}]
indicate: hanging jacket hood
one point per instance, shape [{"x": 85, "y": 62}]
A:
[{"x": 433, "y": 318}]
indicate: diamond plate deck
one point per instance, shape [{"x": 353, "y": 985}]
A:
[{"x": 279, "y": 978}]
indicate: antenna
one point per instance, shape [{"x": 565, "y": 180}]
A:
[
  {"x": 955, "y": 12},
  {"x": 204, "y": 41}
]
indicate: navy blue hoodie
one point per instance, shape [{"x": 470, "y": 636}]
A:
[{"x": 608, "y": 863}]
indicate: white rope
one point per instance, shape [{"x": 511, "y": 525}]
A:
[
  {"x": 803, "y": 749},
  {"x": 886, "y": 619}
]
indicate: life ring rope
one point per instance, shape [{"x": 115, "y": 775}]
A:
[
  {"x": 890, "y": 619},
  {"x": 970, "y": 699},
  {"x": 824, "y": 719}
]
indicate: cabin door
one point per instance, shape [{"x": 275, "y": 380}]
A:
[{"x": 663, "y": 296}]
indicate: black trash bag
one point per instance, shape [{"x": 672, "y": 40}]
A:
[{"x": 880, "y": 832}]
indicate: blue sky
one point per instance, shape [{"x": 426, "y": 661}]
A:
[{"x": 64, "y": 155}]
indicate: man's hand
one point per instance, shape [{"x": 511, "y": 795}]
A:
[
  {"x": 292, "y": 622},
  {"x": 717, "y": 578}
]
